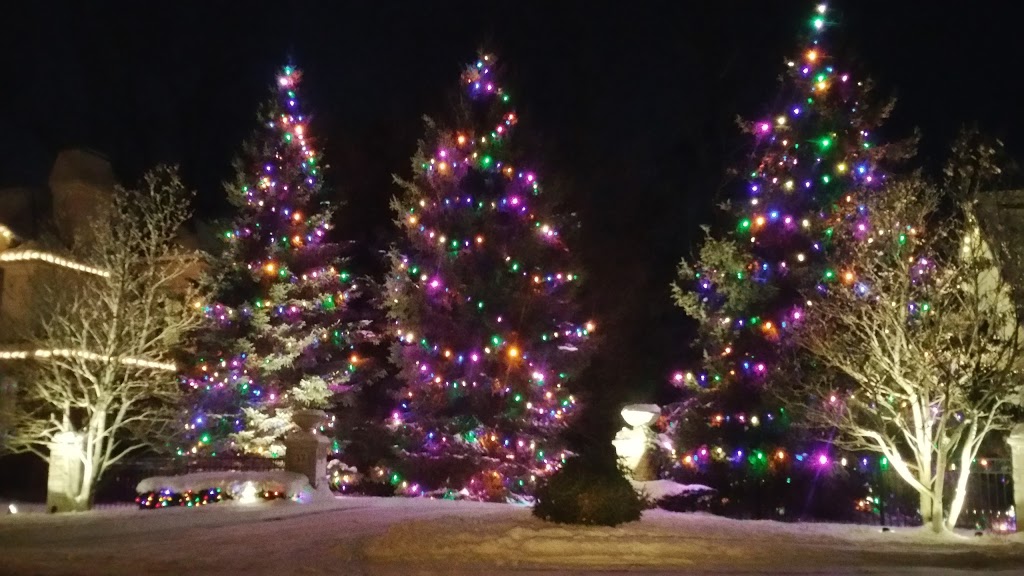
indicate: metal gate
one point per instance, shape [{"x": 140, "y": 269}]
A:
[{"x": 989, "y": 502}]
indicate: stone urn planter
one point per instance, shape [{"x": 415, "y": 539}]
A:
[
  {"x": 308, "y": 419},
  {"x": 306, "y": 449}
]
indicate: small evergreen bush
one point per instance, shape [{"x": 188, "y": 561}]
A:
[{"x": 588, "y": 491}]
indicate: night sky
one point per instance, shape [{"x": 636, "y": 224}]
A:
[{"x": 627, "y": 106}]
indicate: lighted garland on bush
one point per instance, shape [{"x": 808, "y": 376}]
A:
[{"x": 191, "y": 499}]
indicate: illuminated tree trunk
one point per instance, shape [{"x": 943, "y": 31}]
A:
[
  {"x": 937, "y": 488},
  {"x": 960, "y": 494},
  {"x": 925, "y": 499}
]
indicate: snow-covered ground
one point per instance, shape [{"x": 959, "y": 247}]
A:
[{"x": 399, "y": 536}]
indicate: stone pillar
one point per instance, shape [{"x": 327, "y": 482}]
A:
[
  {"x": 64, "y": 477},
  {"x": 1016, "y": 442},
  {"x": 306, "y": 449}
]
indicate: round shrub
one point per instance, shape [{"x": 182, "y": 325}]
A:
[{"x": 588, "y": 491}]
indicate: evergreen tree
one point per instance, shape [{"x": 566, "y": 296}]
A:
[
  {"x": 813, "y": 161},
  {"x": 280, "y": 333},
  {"x": 481, "y": 294}
]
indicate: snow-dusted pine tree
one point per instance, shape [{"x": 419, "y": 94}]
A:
[{"x": 280, "y": 334}]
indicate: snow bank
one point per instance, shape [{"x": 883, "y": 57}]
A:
[
  {"x": 658, "y": 489},
  {"x": 665, "y": 539},
  {"x": 233, "y": 482}
]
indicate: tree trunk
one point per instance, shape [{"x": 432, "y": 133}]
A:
[
  {"x": 83, "y": 501},
  {"x": 940, "y": 476},
  {"x": 960, "y": 493},
  {"x": 925, "y": 499}
]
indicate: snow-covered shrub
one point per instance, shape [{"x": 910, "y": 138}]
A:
[
  {"x": 675, "y": 497},
  {"x": 588, "y": 490}
]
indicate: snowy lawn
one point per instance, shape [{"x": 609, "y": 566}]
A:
[
  {"x": 696, "y": 541},
  {"x": 399, "y": 536}
]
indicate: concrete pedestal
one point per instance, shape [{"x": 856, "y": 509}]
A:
[
  {"x": 634, "y": 443},
  {"x": 64, "y": 477},
  {"x": 1016, "y": 442},
  {"x": 306, "y": 449}
]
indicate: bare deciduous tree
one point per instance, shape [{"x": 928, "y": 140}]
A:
[
  {"x": 103, "y": 346},
  {"x": 917, "y": 355}
]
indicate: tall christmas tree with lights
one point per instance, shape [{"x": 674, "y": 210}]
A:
[
  {"x": 480, "y": 296},
  {"x": 813, "y": 162},
  {"x": 280, "y": 335}
]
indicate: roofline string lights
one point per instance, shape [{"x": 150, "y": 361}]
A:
[
  {"x": 38, "y": 256},
  {"x": 86, "y": 355}
]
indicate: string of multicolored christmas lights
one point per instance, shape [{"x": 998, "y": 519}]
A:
[
  {"x": 273, "y": 220},
  {"x": 856, "y": 168},
  {"x": 532, "y": 386}
]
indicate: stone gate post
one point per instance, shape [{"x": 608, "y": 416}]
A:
[
  {"x": 64, "y": 477},
  {"x": 306, "y": 449}
]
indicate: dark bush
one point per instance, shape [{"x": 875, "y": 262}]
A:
[
  {"x": 370, "y": 488},
  {"x": 588, "y": 491}
]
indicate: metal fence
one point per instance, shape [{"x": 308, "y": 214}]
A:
[
  {"x": 989, "y": 502},
  {"x": 868, "y": 491},
  {"x": 987, "y": 506}
]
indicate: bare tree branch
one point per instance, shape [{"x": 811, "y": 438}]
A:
[{"x": 109, "y": 336}]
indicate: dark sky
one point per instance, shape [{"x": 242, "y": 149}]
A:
[{"x": 629, "y": 106}]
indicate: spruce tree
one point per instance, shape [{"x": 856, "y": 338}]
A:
[
  {"x": 280, "y": 334},
  {"x": 481, "y": 296},
  {"x": 813, "y": 161}
]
